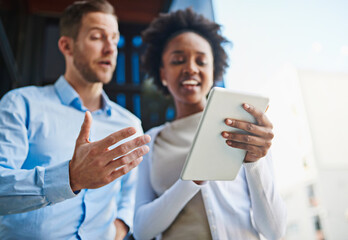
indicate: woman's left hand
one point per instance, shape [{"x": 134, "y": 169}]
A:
[{"x": 258, "y": 138}]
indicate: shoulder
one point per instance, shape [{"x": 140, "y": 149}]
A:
[
  {"x": 153, "y": 132},
  {"x": 24, "y": 96},
  {"x": 28, "y": 93},
  {"x": 124, "y": 113}
]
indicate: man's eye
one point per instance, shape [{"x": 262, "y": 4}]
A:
[{"x": 95, "y": 37}]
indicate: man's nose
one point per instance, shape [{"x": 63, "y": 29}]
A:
[{"x": 110, "y": 47}]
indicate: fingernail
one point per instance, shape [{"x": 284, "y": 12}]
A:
[
  {"x": 246, "y": 106},
  {"x": 147, "y": 138},
  {"x": 146, "y": 149},
  {"x": 225, "y": 134},
  {"x": 229, "y": 121}
]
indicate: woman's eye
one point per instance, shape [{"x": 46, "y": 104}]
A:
[
  {"x": 177, "y": 61},
  {"x": 201, "y": 62}
]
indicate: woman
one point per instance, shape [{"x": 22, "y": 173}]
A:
[{"x": 184, "y": 56}]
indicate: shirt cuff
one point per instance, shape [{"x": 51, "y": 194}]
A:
[
  {"x": 126, "y": 217},
  {"x": 57, "y": 183},
  {"x": 189, "y": 185},
  {"x": 254, "y": 166}
]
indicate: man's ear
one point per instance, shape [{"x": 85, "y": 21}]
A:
[{"x": 65, "y": 45}]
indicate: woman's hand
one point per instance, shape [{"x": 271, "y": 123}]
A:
[
  {"x": 199, "y": 182},
  {"x": 258, "y": 138}
]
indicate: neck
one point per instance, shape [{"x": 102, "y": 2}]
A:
[
  {"x": 185, "y": 110},
  {"x": 90, "y": 93}
]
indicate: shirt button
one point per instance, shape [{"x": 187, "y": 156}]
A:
[
  {"x": 213, "y": 228},
  {"x": 209, "y": 212}
]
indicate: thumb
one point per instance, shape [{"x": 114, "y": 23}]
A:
[{"x": 85, "y": 128}]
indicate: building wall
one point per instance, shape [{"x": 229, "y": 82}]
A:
[{"x": 326, "y": 102}]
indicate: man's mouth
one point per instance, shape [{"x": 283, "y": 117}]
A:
[{"x": 105, "y": 63}]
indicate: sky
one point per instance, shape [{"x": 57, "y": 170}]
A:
[
  {"x": 310, "y": 34},
  {"x": 273, "y": 42}
]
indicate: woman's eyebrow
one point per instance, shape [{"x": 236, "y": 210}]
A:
[{"x": 181, "y": 51}]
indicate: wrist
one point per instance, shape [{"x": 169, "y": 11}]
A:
[{"x": 73, "y": 185}]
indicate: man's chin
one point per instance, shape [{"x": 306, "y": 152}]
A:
[{"x": 104, "y": 78}]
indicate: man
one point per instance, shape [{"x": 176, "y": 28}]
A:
[{"x": 52, "y": 187}]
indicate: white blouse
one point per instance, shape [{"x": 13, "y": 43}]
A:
[{"x": 240, "y": 209}]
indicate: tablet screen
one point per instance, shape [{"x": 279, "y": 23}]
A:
[{"x": 210, "y": 158}]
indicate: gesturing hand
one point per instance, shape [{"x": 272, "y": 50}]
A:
[
  {"x": 258, "y": 138},
  {"x": 93, "y": 165}
]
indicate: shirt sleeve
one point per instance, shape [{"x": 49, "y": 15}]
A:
[
  {"x": 126, "y": 198},
  {"x": 23, "y": 190},
  {"x": 155, "y": 214},
  {"x": 269, "y": 210}
]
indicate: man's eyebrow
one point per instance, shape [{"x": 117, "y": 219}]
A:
[
  {"x": 102, "y": 29},
  {"x": 96, "y": 28}
]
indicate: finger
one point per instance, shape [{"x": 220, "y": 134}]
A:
[
  {"x": 85, "y": 129},
  {"x": 250, "y": 157},
  {"x": 115, "y": 137},
  {"x": 248, "y": 139},
  {"x": 262, "y": 131},
  {"x": 126, "y": 159},
  {"x": 125, "y": 169},
  {"x": 255, "y": 150},
  {"x": 128, "y": 147},
  {"x": 260, "y": 116}
]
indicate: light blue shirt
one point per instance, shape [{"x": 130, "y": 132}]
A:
[{"x": 38, "y": 130}]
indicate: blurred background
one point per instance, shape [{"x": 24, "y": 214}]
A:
[{"x": 295, "y": 52}]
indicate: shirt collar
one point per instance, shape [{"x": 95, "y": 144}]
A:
[
  {"x": 65, "y": 91},
  {"x": 70, "y": 97},
  {"x": 106, "y": 103}
]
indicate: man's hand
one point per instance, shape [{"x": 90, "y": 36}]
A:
[{"x": 93, "y": 165}]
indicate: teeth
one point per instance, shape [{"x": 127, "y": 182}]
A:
[{"x": 190, "y": 82}]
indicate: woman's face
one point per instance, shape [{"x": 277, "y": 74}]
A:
[{"x": 187, "y": 69}]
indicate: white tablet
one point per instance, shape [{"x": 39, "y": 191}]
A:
[{"x": 210, "y": 158}]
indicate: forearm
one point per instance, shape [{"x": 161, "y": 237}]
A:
[
  {"x": 269, "y": 211},
  {"x": 26, "y": 190},
  {"x": 154, "y": 217}
]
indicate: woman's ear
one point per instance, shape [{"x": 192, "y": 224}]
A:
[
  {"x": 163, "y": 78},
  {"x": 65, "y": 45},
  {"x": 162, "y": 75}
]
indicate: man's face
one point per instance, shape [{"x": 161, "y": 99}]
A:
[{"x": 95, "y": 48}]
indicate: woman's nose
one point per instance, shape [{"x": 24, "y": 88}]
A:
[{"x": 191, "y": 68}]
